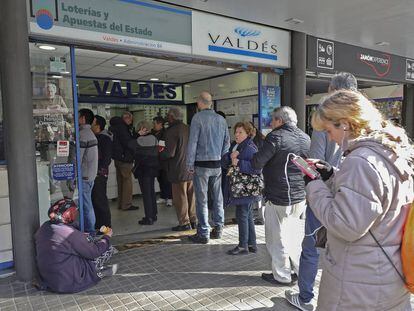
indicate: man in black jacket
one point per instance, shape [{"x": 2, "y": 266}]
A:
[
  {"x": 123, "y": 157},
  {"x": 284, "y": 193},
  {"x": 99, "y": 197}
]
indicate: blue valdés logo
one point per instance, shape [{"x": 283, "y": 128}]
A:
[
  {"x": 245, "y": 32},
  {"x": 243, "y": 41}
]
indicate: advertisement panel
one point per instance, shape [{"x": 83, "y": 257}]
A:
[
  {"x": 141, "y": 24},
  {"x": 269, "y": 99},
  {"x": 228, "y": 39},
  {"x": 331, "y": 56}
]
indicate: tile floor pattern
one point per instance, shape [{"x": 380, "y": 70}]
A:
[{"x": 175, "y": 275}]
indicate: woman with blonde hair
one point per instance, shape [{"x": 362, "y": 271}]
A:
[{"x": 363, "y": 206}]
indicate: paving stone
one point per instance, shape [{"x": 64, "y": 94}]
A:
[{"x": 168, "y": 276}]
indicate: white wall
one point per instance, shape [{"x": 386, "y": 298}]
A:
[{"x": 229, "y": 86}]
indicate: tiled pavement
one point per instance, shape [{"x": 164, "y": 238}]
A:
[{"x": 174, "y": 275}]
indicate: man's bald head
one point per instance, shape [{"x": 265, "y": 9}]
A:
[{"x": 205, "y": 100}]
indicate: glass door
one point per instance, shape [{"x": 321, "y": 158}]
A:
[{"x": 53, "y": 123}]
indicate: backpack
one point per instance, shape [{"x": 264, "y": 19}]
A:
[{"x": 407, "y": 250}]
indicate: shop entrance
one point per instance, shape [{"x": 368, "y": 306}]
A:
[{"x": 110, "y": 84}]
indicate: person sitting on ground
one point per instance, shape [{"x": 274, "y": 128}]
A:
[
  {"x": 68, "y": 260},
  {"x": 240, "y": 154},
  {"x": 363, "y": 206},
  {"x": 146, "y": 168}
]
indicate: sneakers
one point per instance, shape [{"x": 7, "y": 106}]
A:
[
  {"x": 193, "y": 225},
  {"x": 216, "y": 233},
  {"x": 198, "y": 239},
  {"x": 294, "y": 300},
  {"x": 161, "y": 201},
  {"x": 109, "y": 270},
  {"x": 169, "y": 203}
]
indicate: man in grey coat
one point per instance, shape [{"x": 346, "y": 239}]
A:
[{"x": 89, "y": 164}]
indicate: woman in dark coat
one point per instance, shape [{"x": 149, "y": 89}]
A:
[
  {"x": 240, "y": 153},
  {"x": 70, "y": 261},
  {"x": 146, "y": 168}
]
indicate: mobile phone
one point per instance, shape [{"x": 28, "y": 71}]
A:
[{"x": 305, "y": 167}]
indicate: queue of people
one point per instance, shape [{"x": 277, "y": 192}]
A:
[{"x": 360, "y": 197}]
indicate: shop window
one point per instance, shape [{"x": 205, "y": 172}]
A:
[{"x": 53, "y": 122}]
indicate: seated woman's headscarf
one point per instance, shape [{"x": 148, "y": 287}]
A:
[{"x": 63, "y": 211}]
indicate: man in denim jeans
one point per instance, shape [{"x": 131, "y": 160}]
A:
[
  {"x": 209, "y": 140},
  {"x": 89, "y": 164},
  {"x": 323, "y": 149}
]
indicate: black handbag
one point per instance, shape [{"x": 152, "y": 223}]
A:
[{"x": 244, "y": 185}]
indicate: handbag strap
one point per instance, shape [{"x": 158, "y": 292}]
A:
[{"x": 388, "y": 257}]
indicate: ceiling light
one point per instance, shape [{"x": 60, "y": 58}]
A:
[
  {"x": 382, "y": 43},
  {"x": 107, "y": 92},
  {"x": 123, "y": 87},
  {"x": 46, "y": 47},
  {"x": 220, "y": 85},
  {"x": 154, "y": 79},
  {"x": 116, "y": 80},
  {"x": 65, "y": 72},
  {"x": 294, "y": 21},
  {"x": 120, "y": 65},
  {"x": 57, "y": 77},
  {"x": 230, "y": 69}
]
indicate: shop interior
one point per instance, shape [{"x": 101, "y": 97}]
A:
[
  {"x": 109, "y": 84},
  {"x": 387, "y": 96}
]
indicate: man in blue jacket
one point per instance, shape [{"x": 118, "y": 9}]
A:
[{"x": 209, "y": 141}]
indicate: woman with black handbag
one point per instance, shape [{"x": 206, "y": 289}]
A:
[{"x": 244, "y": 186}]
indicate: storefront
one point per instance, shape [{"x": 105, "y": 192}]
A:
[
  {"x": 78, "y": 48},
  {"x": 382, "y": 77}
]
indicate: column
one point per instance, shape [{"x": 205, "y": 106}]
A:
[
  {"x": 298, "y": 77},
  {"x": 18, "y": 122}
]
